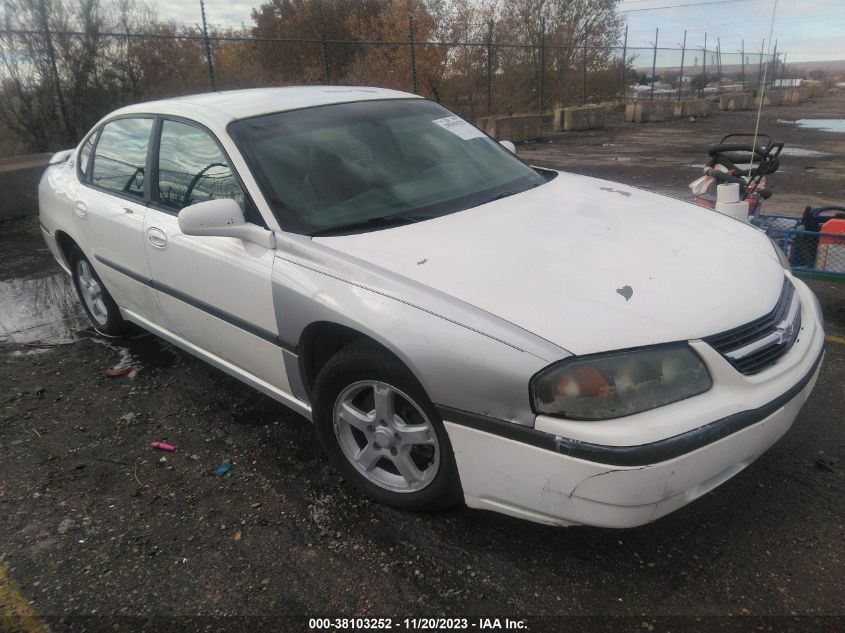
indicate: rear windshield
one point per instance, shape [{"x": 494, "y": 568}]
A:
[{"x": 360, "y": 166}]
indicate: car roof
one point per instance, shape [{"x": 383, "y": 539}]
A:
[{"x": 217, "y": 109}]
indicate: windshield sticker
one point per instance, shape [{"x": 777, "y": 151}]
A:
[{"x": 460, "y": 128}]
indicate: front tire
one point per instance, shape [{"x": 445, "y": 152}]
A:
[
  {"x": 382, "y": 432},
  {"x": 98, "y": 303}
]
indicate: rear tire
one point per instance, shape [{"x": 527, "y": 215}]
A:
[
  {"x": 382, "y": 432},
  {"x": 96, "y": 300}
]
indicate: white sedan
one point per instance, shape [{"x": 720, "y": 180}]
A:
[{"x": 458, "y": 325}]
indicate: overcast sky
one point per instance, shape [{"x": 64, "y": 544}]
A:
[{"x": 805, "y": 29}]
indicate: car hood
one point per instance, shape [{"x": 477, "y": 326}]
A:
[{"x": 587, "y": 264}]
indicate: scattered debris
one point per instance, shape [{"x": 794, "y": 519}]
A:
[
  {"x": 826, "y": 464},
  {"x": 223, "y": 468},
  {"x": 163, "y": 446},
  {"x": 136, "y": 474},
  {"x": 119, "y": 370}
]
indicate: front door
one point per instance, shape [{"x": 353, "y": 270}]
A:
[{"x": 215, "y": 292}]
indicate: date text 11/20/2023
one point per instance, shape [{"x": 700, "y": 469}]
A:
[{"x": 416, "y": 624}]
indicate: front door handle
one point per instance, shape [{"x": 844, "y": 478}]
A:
[
  {"x": 156, "y": 237},
  {"x": 80, "y": 209}
]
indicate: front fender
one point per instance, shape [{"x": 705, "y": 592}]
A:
[{"x": 457, "y": 365}]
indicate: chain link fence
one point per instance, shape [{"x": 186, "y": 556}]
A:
[{"x": 473, "y": 77}]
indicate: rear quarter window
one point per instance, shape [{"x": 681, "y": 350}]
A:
[{"x": 121, "y": 155}]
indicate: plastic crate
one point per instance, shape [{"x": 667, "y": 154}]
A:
[{"x": 810, "y": 253}]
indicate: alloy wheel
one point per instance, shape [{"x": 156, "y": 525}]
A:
[{"x": 386, "y": 436}]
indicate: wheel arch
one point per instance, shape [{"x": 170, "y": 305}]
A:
[
  {"x": 66, "y": 245},
  {"x": 321, "y": 340}
]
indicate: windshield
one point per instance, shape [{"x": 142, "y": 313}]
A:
[{"x": 367, "y": 165}]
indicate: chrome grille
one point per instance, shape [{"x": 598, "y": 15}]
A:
[{"x": 757, "y": 345}]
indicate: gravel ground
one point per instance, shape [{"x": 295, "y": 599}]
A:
[
  {"x": 93, "y": 522},
  {"x": 665, "y": 157}
]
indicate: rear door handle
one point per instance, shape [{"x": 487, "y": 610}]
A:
[
  {"x": 80, "y": 209},
  {"x": 156, "y": 237}
]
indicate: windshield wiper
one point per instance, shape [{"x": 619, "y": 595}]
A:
[
  {"x": 505, "y": 194},
  {"x": 370, "y": 223}
]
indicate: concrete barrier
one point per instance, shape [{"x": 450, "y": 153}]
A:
[
  {"x": 795, "y": 95},
  {"x": 692, "y": 107},
  {"x": 771, "y": 98},
  {"x": 814, "y": 88},
  {"x": 519, "y": 127},
  {"x": 649, "y": 111},
  {"x": 738, "y": 101},
  {"x": 574, "y": 119},
  {"x": 19, "y": 176}
]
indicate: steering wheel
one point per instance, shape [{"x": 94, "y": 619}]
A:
[{"x": 189, "y": 192}]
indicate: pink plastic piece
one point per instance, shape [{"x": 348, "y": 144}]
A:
[{"x": 162, "y": 446}]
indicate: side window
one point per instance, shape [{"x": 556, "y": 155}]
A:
[
  {"x": 192, "y": 169},
  {"x": 85, "y": 154},
  {"x": 120, "y": 156}
]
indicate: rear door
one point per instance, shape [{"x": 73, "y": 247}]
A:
[
  {"x": 215, "y": 292},
  {"x": 110, "y": 207}
]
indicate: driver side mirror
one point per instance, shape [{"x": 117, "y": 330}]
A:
[
  {"x": 222, "y": 218},
  {"x": 508, "y": 145}
]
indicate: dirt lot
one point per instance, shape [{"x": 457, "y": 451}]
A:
[
  {"x": 665, "y": 157},
  {"x": 95, "y": 523}
]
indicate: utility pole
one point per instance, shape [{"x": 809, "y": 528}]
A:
[
  {"x": 490, "y": 66},
  {"x": 584, "y": 77},
  {"x": 412, "y": 52},
  {"x": 324, "y": 52},
  {"x": 624, "y": 62},
  {"x": 719, "y": 64},
  {"x": 681, "y": 76},
  {"x": 542, "y": 61},
  {"x": 207, "y": 47},
  {"x": 654, "y": 63},
  {"x": 773, "y": 73}
]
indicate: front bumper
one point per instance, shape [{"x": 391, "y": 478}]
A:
[
  {"x": 533, "y": 483},
  {"x": 546, "y": 476}
]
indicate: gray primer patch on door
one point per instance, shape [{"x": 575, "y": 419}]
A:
[{"x": 626, "y": 291}]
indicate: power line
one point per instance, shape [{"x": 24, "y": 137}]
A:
[{"x": 683, "y": 6}]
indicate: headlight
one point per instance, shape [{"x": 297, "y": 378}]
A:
[
  {"x": 784, "y": 260},
  {"x": 604, "y": 386}
]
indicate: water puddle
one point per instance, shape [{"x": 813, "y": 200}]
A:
[
  {"x": 40, "y": 310},
  {"x": 800, "y": 152},
  {"x": 825, "y": 125},
  {"x": 38, "y": 313}
]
